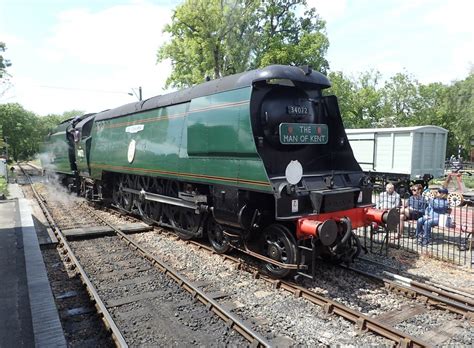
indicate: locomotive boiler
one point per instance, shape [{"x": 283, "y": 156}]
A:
[{"x": 258, "y": 161}]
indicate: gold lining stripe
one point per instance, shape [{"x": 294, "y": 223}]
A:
[
  {"x": 146, "y": 120},
  {"x": 191, "y": 175},
  {"x": 220, "y": 106},
  {"x": 178, "y": 115}
]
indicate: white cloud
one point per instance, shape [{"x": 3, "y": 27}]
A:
[
  {"x": 121, "y": 35},
  {"x": 10, "y": 39},
  {"x": 94, "y": 58},
  {"x": 452, "y": 16},
  {"x": 329, "y": 10}
]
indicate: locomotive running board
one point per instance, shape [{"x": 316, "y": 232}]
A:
[{"x": 166, "y": 199}]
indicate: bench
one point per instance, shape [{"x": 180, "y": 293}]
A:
[{"x": 462, "y": 224}]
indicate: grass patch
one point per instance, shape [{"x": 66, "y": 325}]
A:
[{"x": 3, "y": 186}]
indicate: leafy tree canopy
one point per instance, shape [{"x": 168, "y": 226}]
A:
[
  {"x": 402, "y": 101},
  {"x": 4, "y": 76},
  {"x": 4, "y": 63},
  {"x": 24, "y": 130},
  {"x": 221, "y": 37}
]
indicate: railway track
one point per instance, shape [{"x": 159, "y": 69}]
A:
[
  {"x": 129, "y": 265},
  {"x": 433, "y": 296},
  {"x": 362, "y": 321}
]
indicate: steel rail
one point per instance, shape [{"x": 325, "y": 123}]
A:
[
  {"x": 99, "y": 304},
  {"x": 436, "y": 297},
  {"x": 231, "y": 320},
  {"x": 425, "y": 284},
  {"x": 362, "y": 321}
]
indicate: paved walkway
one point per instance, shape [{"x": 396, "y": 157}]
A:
[{"x": 28, "y": 314}]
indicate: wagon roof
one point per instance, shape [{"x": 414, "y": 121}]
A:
[
  {"x": 395, "y": 129},
  {"x": 299, "y": 75}
]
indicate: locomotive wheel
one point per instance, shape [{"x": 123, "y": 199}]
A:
[
  {"x": 124, "y": 200},
  {"x": 215, "y": 234},
  {"x": 181, "y": 219},
  {"x": 455, "y": 199},
  {"x": 279, "y": 245},
  {"x": 149, "y": 211}
]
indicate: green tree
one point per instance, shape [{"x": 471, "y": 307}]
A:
[
  {"x": 208, "y": 38},
  {"x": 2, "y": 142},
  {"x": 460, "y": 114},
  {"x": 220, "y": 37},
  {"x": 49, "y": 122},
  {"x": 4, "y": 63},
  {"x": 360, "y": 99},
  {"x": 286, "y": 38},
  {"x": 4, "y": 76},
  {"x": 25, "y": 130},
  {"x": 20, "y": 127},
  {"x": 400, "y": 97}
]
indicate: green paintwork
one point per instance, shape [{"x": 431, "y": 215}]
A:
[
  {"x": 207, "y": 140},
  {"x": 56, "y": 156}
]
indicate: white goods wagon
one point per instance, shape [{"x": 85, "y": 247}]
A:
[{"x": 397, "y": 154}]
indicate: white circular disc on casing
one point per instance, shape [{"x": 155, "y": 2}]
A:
[
  {"x": 294, "y": 172},
  {"x": 131, "y": 151}
]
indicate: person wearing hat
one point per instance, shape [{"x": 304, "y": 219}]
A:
[{"x": 437, "y": 206}]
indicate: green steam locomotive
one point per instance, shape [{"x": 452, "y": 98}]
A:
[{"x": 258, "y": 161}]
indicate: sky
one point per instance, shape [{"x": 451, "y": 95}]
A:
[{"x": 90, "y": 55}]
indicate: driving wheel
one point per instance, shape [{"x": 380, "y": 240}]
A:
[
  {"x": 122, "y": 199},
  {"x": 279, "y": 245},
  {"x": 215, "y": 234}
]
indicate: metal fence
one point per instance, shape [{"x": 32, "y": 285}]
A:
[{"x": 454, "y": 244}]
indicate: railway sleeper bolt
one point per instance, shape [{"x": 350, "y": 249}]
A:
[
  {"x": 404, "y": 343},
  {"x": 298, "y": 293},
  {"x": 229, "y": 322},
  {"x": 328, "y": 308},
  {"x": 361, "y": 324},
  {"x": 276, "y": 284},
  {"x": 254, "y": 343}
]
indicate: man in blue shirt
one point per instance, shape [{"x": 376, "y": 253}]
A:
[
  {"x": 437, "y": 206},
  {"x": 414, "y": 208}
]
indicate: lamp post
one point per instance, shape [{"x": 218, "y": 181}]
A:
[{"x": 139, "y": 96}]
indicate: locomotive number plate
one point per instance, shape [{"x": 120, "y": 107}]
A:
[
  {"x": 297, "y": 110},
  {"x": 303, "y": 133}
]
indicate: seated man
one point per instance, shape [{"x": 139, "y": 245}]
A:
[
  {"x": 414, "y": 208},
  {"x": 389, "y": 199},
  {"x": 438, "y": 206}
]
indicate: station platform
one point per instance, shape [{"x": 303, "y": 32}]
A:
[{"x": 28, "y": 313}]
